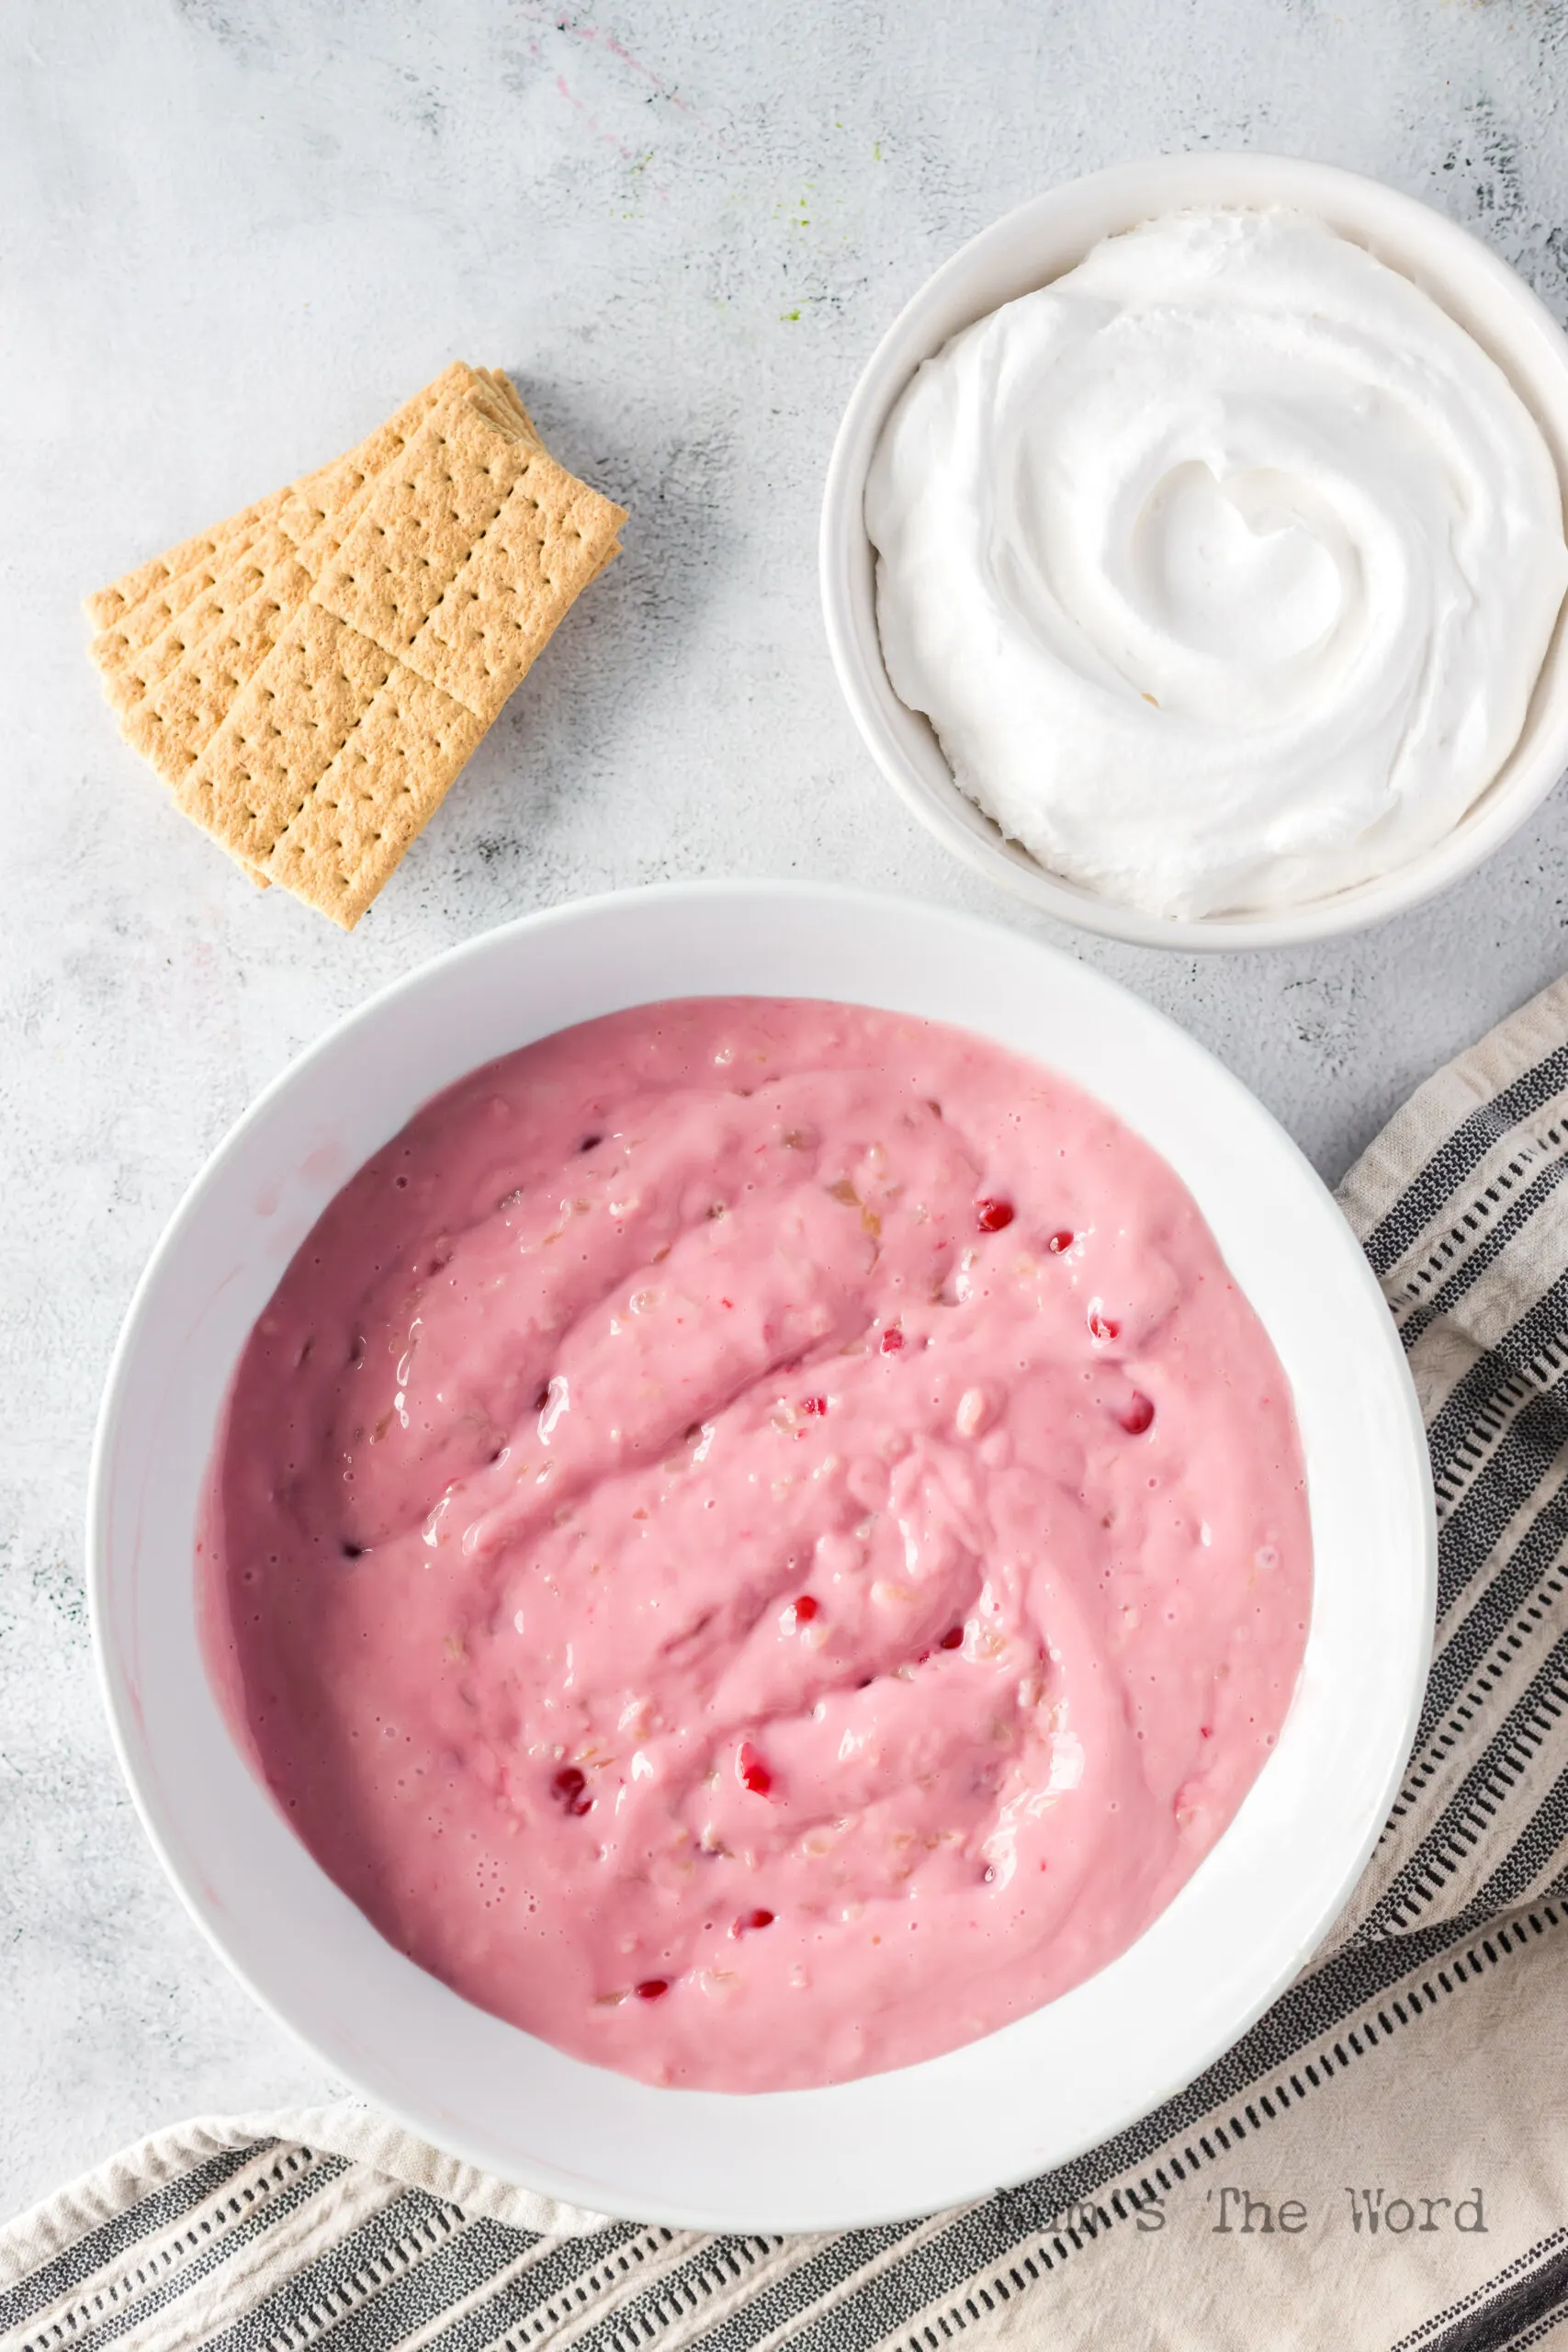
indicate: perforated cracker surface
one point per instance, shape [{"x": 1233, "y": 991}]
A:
[
  {"x": 174, "y": 723},
  {"x": 311, "y": 677},
  {"x": 105, "y": 606},
  {"x": 473, "y": 545},
  {"x": 375, "y": 796}
]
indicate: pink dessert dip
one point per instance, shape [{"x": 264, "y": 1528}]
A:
[{"x": 759, "y": 1541}]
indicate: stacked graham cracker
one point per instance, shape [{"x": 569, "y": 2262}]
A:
[{"x": 309, "y": 677}]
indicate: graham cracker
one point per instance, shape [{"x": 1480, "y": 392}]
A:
[
  {"x": 510, "y": 394},
  {"x": 312, "y": 501},
  {"x": 300, "y": 506},
  {"x": 181, "y": 601},
  {"x": 174, "y": 721},
  {"x": 210, "y": 599},
  {"x": 472, "y": 547},
  {"x": 311, "y": 677},
  {"x": 375, "y": 796},
  {"x": 105, "y": 606},
  {"x": 196, "y": 670},
  {"x": 149, "y": 620},
  {"x": 299, "y": 708},
  {"x": 174, "y": 690},
  {"x": 141, "y": 622},
  {"x": 332, "y": 758}
]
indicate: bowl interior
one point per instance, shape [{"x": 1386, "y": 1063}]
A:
[
  {"x": 1026, "y": 250},
  {"x": 1005, "y": 2106}
]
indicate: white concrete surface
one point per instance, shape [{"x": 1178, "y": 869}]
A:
[{"x": 235, "y": 233}]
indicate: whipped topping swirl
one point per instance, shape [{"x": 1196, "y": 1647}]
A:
[{"x": 1223, "y": 567}]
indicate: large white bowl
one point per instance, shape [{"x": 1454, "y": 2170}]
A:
[
  {"x": 1025, "y": 250},
  {"x": 1009, "y": 2106}
]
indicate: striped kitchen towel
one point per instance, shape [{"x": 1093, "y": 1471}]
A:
[{"x": 1382, "y": 2161}]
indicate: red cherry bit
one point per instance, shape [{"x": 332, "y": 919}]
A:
[
  {"x": 806, "y": 1607},
  {"x": 814, "y": 1404},
  {"x": 1057, "y": 1242},
  {"x": 751, "y": 1920},
  {"x": 1137, "y": 1415},
  {"x": 653, "y": 1988},
  {"x": 1102, "y": 1326},
  {"x": 892, "y": 1340},
  {"x": 991, "y": 1216},
  {"x": 752, "y": 1772},
  {"x": 569, "y": 1789},
  {"x": 953, "y": 1639}
]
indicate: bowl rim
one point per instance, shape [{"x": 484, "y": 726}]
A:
[
  {"x": 1136, "y": 190},
  {"x": 122, "y": 1704}
]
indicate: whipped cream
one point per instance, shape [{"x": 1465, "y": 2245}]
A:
[{"x": 1223, "y": 567}]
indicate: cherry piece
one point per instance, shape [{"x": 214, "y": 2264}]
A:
[
  {"x": 953, "y": 1639},
  {"x": 753, "y": 1773},
  {"x": 569, "y": 1789},
  {"x": 1057, "y": 1242},
  {"x": 992, "y": 1216},
  {"x": 653, "y": 1988},
  {"x": 1102, "y": 1326},
  {"x": 806, "y": 1607},
  {"x": 814, "y": 1404},
  {"x": 750, "y": 1920},
  {"x": 891, "y": 1341},
  {"x": 1138, "y": 1415}
]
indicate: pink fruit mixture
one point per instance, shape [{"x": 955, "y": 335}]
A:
[{"x": 759, "y": 1541}]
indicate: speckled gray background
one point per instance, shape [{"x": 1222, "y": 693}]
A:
[{"x": 234, "y": 235}]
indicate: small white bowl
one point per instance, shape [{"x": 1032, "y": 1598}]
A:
[
  {"x": 1027, "y": 249},
  {"x": 1005, "y": 2106}
]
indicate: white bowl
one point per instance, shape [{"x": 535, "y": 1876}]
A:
[
  {"x": 1005, "y": 2106},
  {"x": 1025, "y": 250}
]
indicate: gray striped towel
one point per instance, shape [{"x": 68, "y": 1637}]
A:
[{"x": 1382, "y": 2161}]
